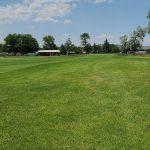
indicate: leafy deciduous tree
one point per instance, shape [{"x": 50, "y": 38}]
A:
[
  {"x": 20, "y": 43},
  {"x": 148, "y": 16},
  {"x": 124, "y": 44},
  {"x": 114, "y": 48},
  {"x": 69, "y": 46},
  {"x": 49, "y": 43},
  {"x": 137, "y": 38},
  {"x": 84, "y": 40}
]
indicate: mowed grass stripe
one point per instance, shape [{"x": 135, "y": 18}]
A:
[{"x": 84, "y": 102}]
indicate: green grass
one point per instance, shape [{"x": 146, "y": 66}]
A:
[{"x": 91, "y": 102}]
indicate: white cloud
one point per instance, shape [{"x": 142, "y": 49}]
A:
[
  {"x": 101, "y": 1},
  {"x": 67, "y": 21},
  {"x": 36, "y": 10}
]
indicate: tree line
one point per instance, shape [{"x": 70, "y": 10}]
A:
[
  {"x": 68, "y": 47},
  {"x": 133, "y": 42},
  {"x": 25, "y": 43},
  {"x": 15, "y": 44}
]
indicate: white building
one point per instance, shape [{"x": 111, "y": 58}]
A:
[
  {"x": 48, "y": 53},
  {"x": 140, "y": 52}
]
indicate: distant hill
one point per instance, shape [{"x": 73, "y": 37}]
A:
[{"x": 146, "y": 47}]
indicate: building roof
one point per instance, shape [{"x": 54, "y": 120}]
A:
[
  {"x": 140, "y": 52},
  {"x": 49, "y": 51}
]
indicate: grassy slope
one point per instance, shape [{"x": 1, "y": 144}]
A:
[{"x": 95, "y": 102}]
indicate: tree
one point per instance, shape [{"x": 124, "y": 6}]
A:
[
  {"x": 95, "y": 49},
  {"x": 27, "y": 44},
  {"x": 137, "y": 38},
  {"x": 20, "y": 43},
  {"x": 78, "y": 50},
  {"x": 1, "y": 47},
  {"x": 49, "y": 43},
  {"x": 148, "y": 16},
  {"x": 11, "y": 43},
  {"x": 134, "y": 43},
  {"x": 88, "y": 48},
  {"x": 124, "y": 44},
  {"x": 63, "y": 50},
  {"x": 69, "y": 46},
  {"x": 84, "y": 39},
  {"x": 106, "y": 47},
  {"x": 140, "y": 33},
  {"x": 114, "y": 48}
]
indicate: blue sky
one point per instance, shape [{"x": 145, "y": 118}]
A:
[{"x": 70, "y": 18}]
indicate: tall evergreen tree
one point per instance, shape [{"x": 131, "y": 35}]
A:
[
  {"x": 95, "y": 49},
  {"x": 63, "y": 50},
  {"x": 88, "y": 48},
  {"x": 106, "y": 47},
  {"x": 1, "y": 47}
]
